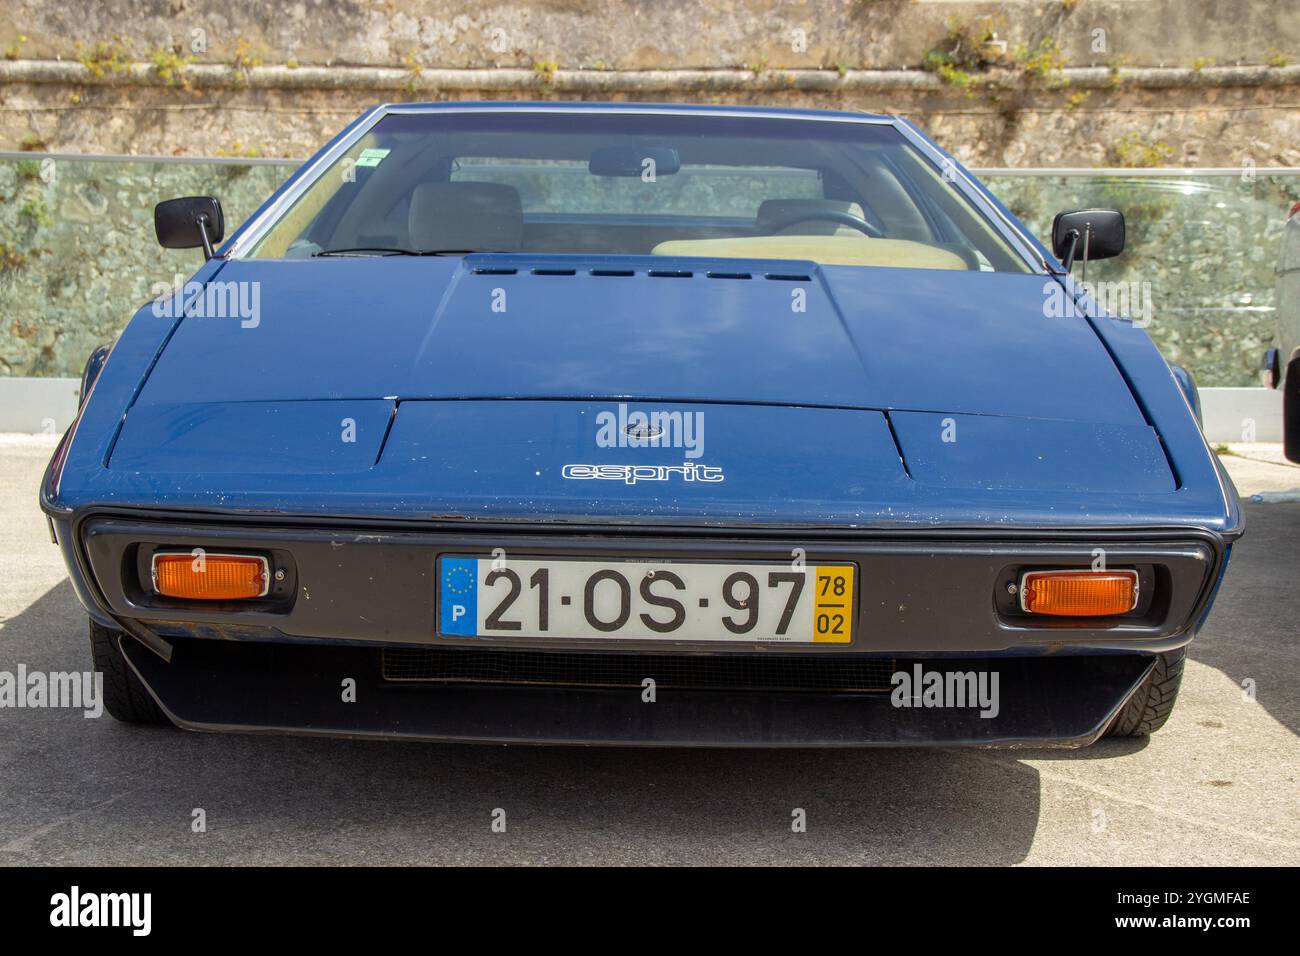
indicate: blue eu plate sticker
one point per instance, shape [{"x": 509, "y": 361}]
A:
[{"x": 458, "y": 597}]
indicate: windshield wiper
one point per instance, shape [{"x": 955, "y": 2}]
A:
[
  {"x": 388, "y": 251},
  {"x": 362, "y": 250}
]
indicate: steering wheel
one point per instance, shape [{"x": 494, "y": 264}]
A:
[{"x": 843, "y": 218}]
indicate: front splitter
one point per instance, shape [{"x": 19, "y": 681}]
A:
[{"x": 300, "y": 689}]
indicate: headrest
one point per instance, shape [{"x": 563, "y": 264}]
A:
[{"x": 485, "y": 217}]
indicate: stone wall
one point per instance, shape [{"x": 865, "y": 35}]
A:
[
  {"x": 1198, "y": 264},
  {"x": 1013, "y": 83},
  {"x": 651, "y": 34},
  {"x": 78, "y": 254}
]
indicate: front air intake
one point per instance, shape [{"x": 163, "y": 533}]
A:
[{"x": 767, "y": 672}]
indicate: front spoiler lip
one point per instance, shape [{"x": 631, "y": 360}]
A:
[{"x": 1060, "y": 710}]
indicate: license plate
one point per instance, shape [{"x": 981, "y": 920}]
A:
[{"x": 639, "y": 600}]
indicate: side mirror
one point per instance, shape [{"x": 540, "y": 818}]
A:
[
  {"x": 1270, "y": 372},
  {"x": 189, "y": 223},
  {"x": 1088, "y": 234}
]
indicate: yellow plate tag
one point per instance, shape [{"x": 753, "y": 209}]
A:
[{"x": 833, "y": 604}]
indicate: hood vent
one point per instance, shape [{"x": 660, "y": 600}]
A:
[{"x": 651, "y": 273}]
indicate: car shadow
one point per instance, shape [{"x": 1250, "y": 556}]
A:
[{"x": 96, "y": 790}]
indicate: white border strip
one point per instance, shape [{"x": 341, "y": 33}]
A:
[
  {"x": 1241, "y": 414},
  {"x": 38, "y": 406},
  {"x": 35, "y": 406}
]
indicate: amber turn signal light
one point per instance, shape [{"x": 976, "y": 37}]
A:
[
  {"x": 1079, "y": 592},
  {"x": 200, "y": 576}
]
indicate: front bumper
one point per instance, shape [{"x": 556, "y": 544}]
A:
[
  {"x": 924, "y": 600},
  {"x": 916, "y": 594}
]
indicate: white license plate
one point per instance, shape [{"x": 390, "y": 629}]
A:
[{"x": 640, "y": 600}]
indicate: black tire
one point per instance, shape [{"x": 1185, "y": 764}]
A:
[
  {"x": 1153, "y": 702},
  {"x": 1291, "y": 411},
  {"x": 124, "y": 696}
]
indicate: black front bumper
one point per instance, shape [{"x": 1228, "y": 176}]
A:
[
  {"x": 934, "y": 600},
  {"x": 916, "y": 594}
]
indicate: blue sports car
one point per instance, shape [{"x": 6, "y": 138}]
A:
[{"x": 655, "y": 425}]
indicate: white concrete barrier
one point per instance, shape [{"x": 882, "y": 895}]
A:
[
  {"x": 38, "y": 405},
  {"x": 48, "y": 405},
  {"x": 1241, "y": 414}
]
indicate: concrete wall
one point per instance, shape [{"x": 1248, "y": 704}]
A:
[
  {"x": 38, "y": 406},
  {"x": 48, "y": 405}
]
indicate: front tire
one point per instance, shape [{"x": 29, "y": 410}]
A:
[
  {"x": 125, "y": 697},
  {"x": 1153, "y": 702}
]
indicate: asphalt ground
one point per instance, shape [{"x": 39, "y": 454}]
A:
[{"x": 1218, "y": 785}]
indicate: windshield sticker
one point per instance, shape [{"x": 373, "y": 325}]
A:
[{"x": 371, "y": 157}]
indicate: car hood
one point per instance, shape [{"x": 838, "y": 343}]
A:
[
  {"x": 509, "y": 388},
  {"x": 641, "y": 328},
  {"x": 576, "y": 460}
]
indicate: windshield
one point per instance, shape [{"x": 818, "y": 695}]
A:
[{"x": 631, "y": 183}]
